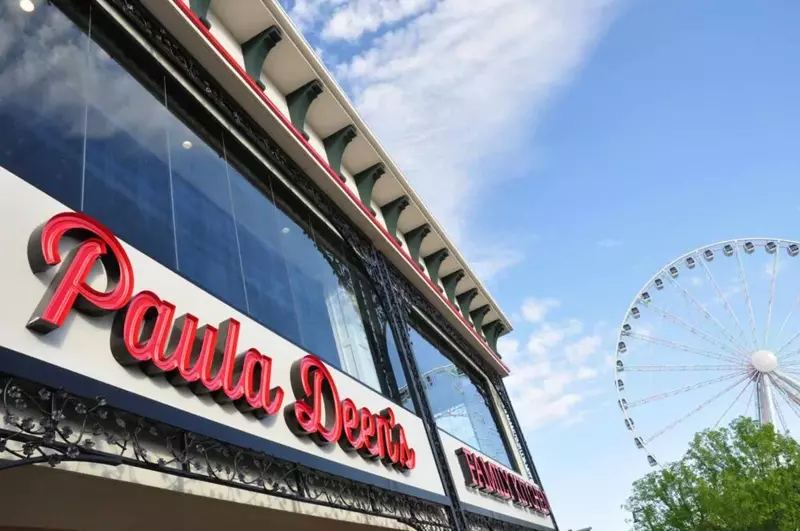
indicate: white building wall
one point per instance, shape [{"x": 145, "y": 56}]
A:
[{"x": 82, "y": 344}]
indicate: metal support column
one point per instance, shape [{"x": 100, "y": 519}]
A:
[{"x": 398, "y": 307}]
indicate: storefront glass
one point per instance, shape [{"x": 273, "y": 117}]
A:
[
  {"x": 460, "y": 402},
  {"x": 81, "y": 128}
]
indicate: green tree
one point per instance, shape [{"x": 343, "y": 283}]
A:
[{"x": 741, "y": 478}]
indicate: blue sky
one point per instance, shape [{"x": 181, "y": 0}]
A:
[{"x": 573, "y": 148}]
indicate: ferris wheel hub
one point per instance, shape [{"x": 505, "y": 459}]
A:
[{"x": 764, "y": 361}]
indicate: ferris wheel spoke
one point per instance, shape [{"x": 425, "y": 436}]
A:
[
  {"x": 726, "y": 304},
  {"x": 789, "y": 386},
  {"x": 703, "y": 310},
  {"x": 783, "y": 357},
  {"x": 695, "y": 331},
  {"x": 788, "y": 382},
  {"x": 779, "y": 412},
  {"x": 786, "y": 345},
  {"x": 695, "y": 410},
  {"x": 752, "y": 399},
  {"x": 686, "y": 348},
  {"x": 785, "y": 394},
  {"x": 791, "y": 400},
  {"x": 771, "y": 295},
  {"x": 735, "y": 401},
  {"x": 792, "y": 369},
  {"x": 685, "y": 389},
  {"x": 741, "y": 365},
  {"x": 746, "y": 289},
  {"x": 681, "y": 368},
  {"x": 789, "y": 316}
]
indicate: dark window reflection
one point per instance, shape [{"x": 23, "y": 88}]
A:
[
  {"x": 460, "y": 406},
  {"x": 42, "y": 107},
  {"x": 84, "y": 130},
  {"x": 307, "y": 274},
  {"x": 397, "y": 368},
  {"x": 127, "y": 160},
  {"x": 269, "y": 292},
  {"x": 351, "y": 322},
  {"x": 208, "y": 251}
]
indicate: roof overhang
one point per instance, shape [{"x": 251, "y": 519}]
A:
[{"x": 252, "y": 16}]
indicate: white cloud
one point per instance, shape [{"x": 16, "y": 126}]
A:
[
  {"x": 548, "y": 409},
  {"x": 575, "y": 418},
  {"x": 579, "y": 351},
  {"x": 549, "y": 375},
  {"x": 358, "y": 17},
  {"x": 508, "y": 348},
  {"x": 489, "y": 262},
  {"x": 535, "y": 310},
  {"x": 548, "y": 336},
  {"x": 609, "y": 242},
  {"x": 305, "y": 13},
  {"x": 771, "y": 266},
  {"x": 453, "y": 88}
]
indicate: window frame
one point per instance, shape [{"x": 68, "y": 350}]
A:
[{"x": 423, "y": 326}]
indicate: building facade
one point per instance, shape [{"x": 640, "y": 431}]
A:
[{"x": 223, "y": 302}]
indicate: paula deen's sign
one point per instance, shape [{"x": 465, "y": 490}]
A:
[
  {"x": 496, "y": 481},
  {"x": 150, "y": 333}
]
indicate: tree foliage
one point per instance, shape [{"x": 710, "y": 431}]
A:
[{"x": 741, "y": 478}]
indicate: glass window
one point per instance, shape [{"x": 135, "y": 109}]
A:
[
  {"x": 328, "y": 314},
  {"x": 42, "y": 105},
  {"x": 350, "y": 330},
  {"x": 98, "y": 125},
  {"x": 461, "y": 405},
  {"x": 269, "y": 293},
  {"x": 207, "y": 240},
  {"x": 127, "y": 175},
  {"x": 397, "y": 368}
]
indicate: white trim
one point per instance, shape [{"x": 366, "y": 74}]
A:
[{"x": 336, "y": 91}]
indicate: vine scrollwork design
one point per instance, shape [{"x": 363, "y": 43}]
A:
[{"x": 39, "y": 424}]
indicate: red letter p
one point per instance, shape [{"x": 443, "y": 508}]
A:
[{"x": 69, "y": 288}]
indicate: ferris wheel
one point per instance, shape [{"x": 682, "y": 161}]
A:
[{"x": 712, "y": 336}]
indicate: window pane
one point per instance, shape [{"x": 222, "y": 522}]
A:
[
  {"x": 324, "y": 315},
  {"x": 397, "y": 368},
  {"x": 208, "y": 253},
  {"x": 348, "y": 319},
  {"x": 459, "y": 406},
  {"x": 127, "y": 159},
  {"x": 307, "y": 275},
  {"x": 269, "y": 292},
  {"x": 42, "y": 64}
]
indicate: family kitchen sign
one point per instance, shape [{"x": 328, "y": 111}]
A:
[{"x": 148, "y": 332}]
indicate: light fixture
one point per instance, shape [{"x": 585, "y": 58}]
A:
[
  {"x": 27, "y": 5},
  {"x": 187, "y": 144},
  {"x": 285, "y": 230}
]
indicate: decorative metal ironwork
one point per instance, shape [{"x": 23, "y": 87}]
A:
[
  {"x": 401, "y": 286},
  {"x": 43, "y": 425},
  {"x": 394, "y": 293},
  {"x": 397, "y": 307},
  {"x": 516, "y": 429}
]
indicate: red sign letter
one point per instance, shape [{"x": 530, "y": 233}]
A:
[
  {"x": 317, "y": 412},
  {"x": 69, "y": 287}
]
